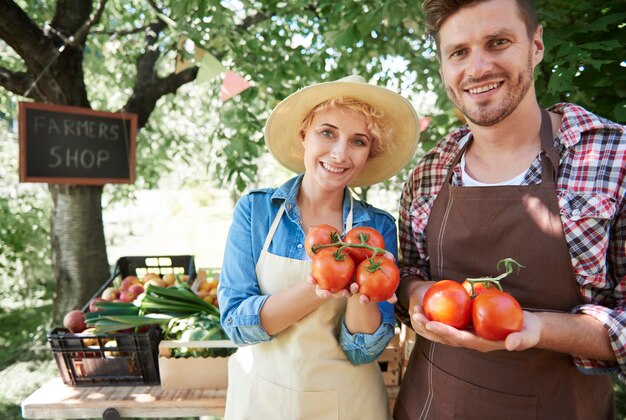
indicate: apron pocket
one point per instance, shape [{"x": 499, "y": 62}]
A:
[
  {"x": 271, "y": 401},
  {"x": 451, "y": 398}
]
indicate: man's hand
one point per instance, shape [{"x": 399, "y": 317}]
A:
[{"x": 441, "y": 333}]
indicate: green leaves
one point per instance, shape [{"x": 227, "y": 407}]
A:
[{"x": 584, "y": 55}]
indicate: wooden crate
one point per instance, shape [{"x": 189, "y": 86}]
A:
[{"x": 390, "y": 362}]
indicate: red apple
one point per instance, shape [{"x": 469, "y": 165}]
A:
[
  {"x": 127, "y": 296},
  {"x": 92, "y": 304},
  {"x": 137, "y": 289},
  {"x": 75, "y": 321},
  {"x": 110, "y": 294},
  {"x": 129, "y": 281}
]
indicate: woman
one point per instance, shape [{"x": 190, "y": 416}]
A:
[{"x": 304, "y": 355}]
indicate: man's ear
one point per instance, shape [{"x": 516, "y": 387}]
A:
[{"x": 538, "y": 46}]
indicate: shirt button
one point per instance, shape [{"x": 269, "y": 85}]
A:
[
  {"x": 229, "y": 321},
  {"x": 299, "y": 246},
  {"x": 289, "y": 206},
  {"x": 576, "y": 212}
]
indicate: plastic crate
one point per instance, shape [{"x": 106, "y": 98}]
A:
[
  {"x": 141, "y": 265},
  {"x": 124, "y": 358},
  {"x": 106, "y": 359}
]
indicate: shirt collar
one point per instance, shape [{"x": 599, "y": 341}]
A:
[
  {"x": 576, "y": 121},
  {"x": 289, "y": 193}
]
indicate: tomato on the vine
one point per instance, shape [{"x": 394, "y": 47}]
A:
[
  {"x": 448, "y": 302},
  {"x": 371, "y": 237},
  {"x": 378, "y": 280},
  {"x": 320, "y": 235},
  {"x": 478, "y": 288},
  {"x": 496, "y": 314},
  {"x": 332, "y": 270}
]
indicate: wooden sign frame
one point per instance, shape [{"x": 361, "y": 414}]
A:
[{"x": 95, "y": 125}]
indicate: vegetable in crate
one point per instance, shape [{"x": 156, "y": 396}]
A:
[
  {"x": 157, "y": 306},
  {"x": 197, "y": 327}
]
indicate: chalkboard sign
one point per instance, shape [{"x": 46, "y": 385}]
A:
[{"x": 73, "y": 145}]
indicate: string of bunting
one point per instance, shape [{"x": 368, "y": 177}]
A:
[{"x": 209, "y": 67}]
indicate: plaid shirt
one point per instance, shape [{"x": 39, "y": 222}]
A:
[{"x": 591, "y": 190}]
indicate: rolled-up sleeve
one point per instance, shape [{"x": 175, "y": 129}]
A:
[
  {"x": 365, "y": 348},
  {"x": 239, "y": 295}
]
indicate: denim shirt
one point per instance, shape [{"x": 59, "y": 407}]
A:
[{"x": 239, "y": 294}]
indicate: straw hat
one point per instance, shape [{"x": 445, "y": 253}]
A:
[{"x": 283, "y": 141}]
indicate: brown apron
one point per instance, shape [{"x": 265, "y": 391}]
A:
[{"x": 469, "y": 230}]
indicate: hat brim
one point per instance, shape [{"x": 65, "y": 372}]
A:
[{"x": 282, "y": 138}]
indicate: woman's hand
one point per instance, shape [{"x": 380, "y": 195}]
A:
[
  {"x": 364, "y": 300},
  {"x": 325, "y": 294}
]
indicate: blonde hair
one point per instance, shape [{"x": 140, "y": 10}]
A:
[{"x": 379, "y": 128}]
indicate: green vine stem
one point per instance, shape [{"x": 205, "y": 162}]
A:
[
  {"x": 341, "y": 245},
  {"x": 508, "y": 263}
]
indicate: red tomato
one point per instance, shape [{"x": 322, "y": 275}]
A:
[
  {"x": 478, "y": 288},
  {"x": 357, "y": 236},
  {"x": 330, "y": 273},
  {"x": 448, "y": 302},
  {"x": 378, "y": 281},
  {"x": 495, "y": 314},
  {"x": 320, "y": 235}
]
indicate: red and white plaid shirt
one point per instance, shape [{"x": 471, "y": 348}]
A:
[{"x": 591, "y": 190}]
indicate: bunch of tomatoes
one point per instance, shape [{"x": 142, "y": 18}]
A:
[
  {"x": 480, "y": 302},
  {"x": 359, "y": 257}
]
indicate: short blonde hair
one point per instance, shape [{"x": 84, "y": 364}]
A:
[{"x": 377, "y": 124}]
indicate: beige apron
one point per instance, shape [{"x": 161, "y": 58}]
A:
[
  {"x": 468, "y": 231},
  {"x": 302, "y": 373}
]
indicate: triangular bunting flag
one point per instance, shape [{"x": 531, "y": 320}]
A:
[
  {"x": 210, "y": 67},
  {"x": 232, "y": 85}
]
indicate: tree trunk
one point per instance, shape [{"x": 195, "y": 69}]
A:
[{"x": 78, "y": 246}]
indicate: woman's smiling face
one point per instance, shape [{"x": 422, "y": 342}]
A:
[{"x": 336, "y": 146}]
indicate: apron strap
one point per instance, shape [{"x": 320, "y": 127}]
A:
[
  {"x": 349, "y": 217},
  {"x": 548, "y": 173},
  {"x": 270, "y": 234}
]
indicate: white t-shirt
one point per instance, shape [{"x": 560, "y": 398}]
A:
[{"x": 468, "y": 181}]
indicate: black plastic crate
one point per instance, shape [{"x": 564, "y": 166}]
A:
[
  {"x": 107, "y": 359},
  {"x": 141, "y": 265},
  {"x": 122, "y": 358}
]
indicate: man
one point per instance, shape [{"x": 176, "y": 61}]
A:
[{"x": 544, "y": 188}]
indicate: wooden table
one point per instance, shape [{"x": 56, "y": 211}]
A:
[{"x": 57, "y": 400}]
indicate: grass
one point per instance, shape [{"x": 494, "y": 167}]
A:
[{"x": 25, "y": 362}]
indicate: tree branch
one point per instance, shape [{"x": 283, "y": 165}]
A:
[
  {"x": 70, "y": 16},
  {"x": 146, "y": 62},
  {"x": 25, "y": 37},
  {"x": 250, "y": 21},
  {"x": 83, "y": 31},
  {"x": 121, "y": 32},
  {"x": 15, "y": 82}
]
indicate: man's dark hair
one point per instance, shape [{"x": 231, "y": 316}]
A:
[{"x": 437, "y": 11}]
